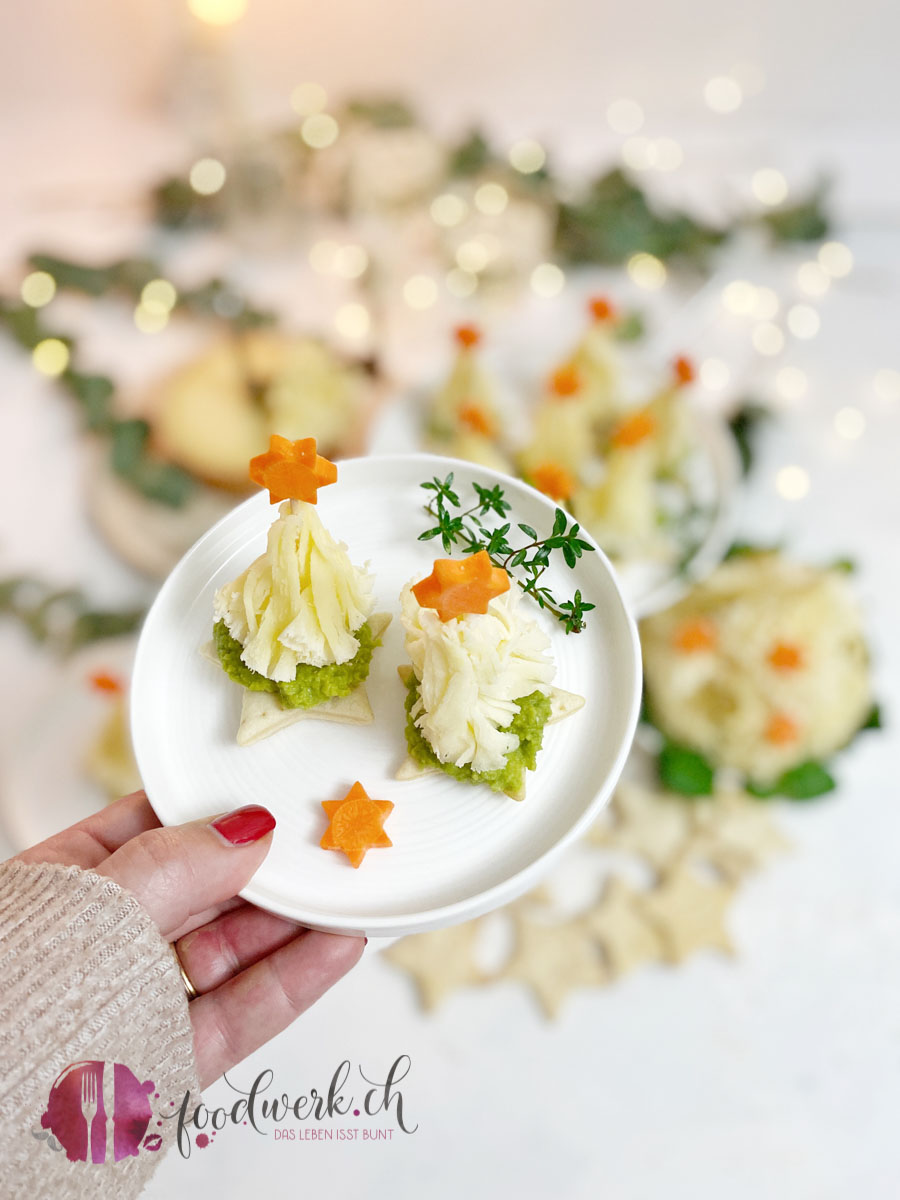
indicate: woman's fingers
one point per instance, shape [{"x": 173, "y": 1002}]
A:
[
  {"x": 92, "y": 840},
  {"x": 231, "y": 943},
  {"x": 244, "y": 1013},
  {"x": 181, "y": 871}
]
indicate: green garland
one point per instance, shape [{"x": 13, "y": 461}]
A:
[
  {"x": 130, "y": 455},
  {"x": 62, "y": 618}
]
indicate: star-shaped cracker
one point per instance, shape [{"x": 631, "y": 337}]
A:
[
  {"x": 734, "y": 833},
  {"x": 439, "y": 961},
  {"x": 457, "y": 586},
  {"x": 553, "y": 959},
  {"x": 653, "y": 825},
  {"x": 626, "y": 936},
  {"x": 356, "y": 824},
  {"x": 687, "y": 913},
  {"x": 292, "y": 470}
]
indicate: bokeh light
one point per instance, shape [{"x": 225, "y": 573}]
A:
[
  {"x": 769, "y": 186},
  {"x": 647, "y": 271},
  {"x": 218, "y": 12},
  {"x": 849, "y": 423},
  {"x": 50, "y": 356},
  {"x": 547, "y": 280},
  {"x": 207, "y": 176},
  {"x": 38, "y": 289},
  {"x": 625, "y": 116},
  {"x": 792, "y": 482},
  {"x": 723, "y": 94},
  {"x": 527, "y": 156},
  {"x": 320, "y": 131},
  {"x": 803, "y": 321}
]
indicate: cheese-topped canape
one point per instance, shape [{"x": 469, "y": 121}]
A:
[
  {"x": 296, "y": 628},
  {"x": 479, "y": 691},
  {"x": 466, "y": 401},
  {"x": 597, "y": 360},
  {"x": 671, "y": 418},
  {"x": 563, "y": 432}
]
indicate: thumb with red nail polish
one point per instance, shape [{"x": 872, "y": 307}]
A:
[{"x": 179, "y": 871}]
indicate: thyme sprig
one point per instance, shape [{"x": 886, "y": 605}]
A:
[{"x": 525, "y": 564}]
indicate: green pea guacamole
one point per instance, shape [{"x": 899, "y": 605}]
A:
[
  {"x": 311, "y": 685},
  {"x": 528, "y": 724}
]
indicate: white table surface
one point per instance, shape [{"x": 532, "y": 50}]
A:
[{"x": 775, "y": 1075}]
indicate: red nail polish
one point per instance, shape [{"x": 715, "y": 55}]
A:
[{"x": 244, "y": 825}]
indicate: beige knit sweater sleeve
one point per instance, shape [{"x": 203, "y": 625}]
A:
[{"x": 85, "y": 978}]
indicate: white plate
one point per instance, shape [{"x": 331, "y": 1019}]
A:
[{"x": 458, "y": 850}]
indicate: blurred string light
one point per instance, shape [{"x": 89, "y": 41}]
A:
[
  {"x": 350, "y": 261},
  {"x": 547, "y": 280},
  {"x": 645, "y": 154},
  {"x": 739, "y": 297},
  {"x": 150, "y": 320},
  {"x": 473, "y": 255},
  {"x": 527, "y": 156},
  {"x": 714, "y": 374},
  {"x": 218, "y": 12},
  {"x": 159, "y": 296},
  {"x": 768, "y": 339},
  {"x": 625, "y": 117},
  {"x": 38, "y": 289},
  {"x": 323, "y": 256},
  {"x": 420, "y": 292},
  {"x": 835, "y": 259},
  {"x": 723, "y": 94},
  {"x": 647, "y": 271},
  {"x": 792, "y": 482},
  {"x": 207, "y": 176},
  {"x": 461, "y": 283},
  {"x": 307, "y": 99},
  {"x": 849, "y": 423},
  {"x": 50, "y": 356},
  {"x": 352, "y": 321},
  {"x": 448, "y": 210},
  {"x": 791, "y": 383},
  {"x": 769, "y": 186},
  {"x": 803, "y": 321},
  {"x": 491, "y": 199},
  {"x": 319, "y": 130},
  {"x": 813, "y": 279},
  {"x": 886, "y": 385}
]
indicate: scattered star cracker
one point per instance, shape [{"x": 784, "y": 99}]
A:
[
  {"x": 735, "y": 833},
  {"x": 554, "y": 959},
  {"x": 687, "y": 913},
  {"x": 653, "y": 825},
  {"x": 628, "y": 938},
  {"x": 439, "y": 961}
]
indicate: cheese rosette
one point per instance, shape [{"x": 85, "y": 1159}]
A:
[
  {"x": 471, "y": 670},
  {"x": 302, "y": 601}
]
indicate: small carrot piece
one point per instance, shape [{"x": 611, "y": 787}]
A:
[
  {"x": 467, "y": 336},
  {"x": 634, "y": 429},
  {"x": 565, "y": 382},
  {"x": 100, "y": 681},
  {"x": 692, "y": 637},
  {"x": 683, "y": 370},
  {"x": 356, "y": 824},
  {"x": 292, "y": 470},
  {"x": 459, "y": 586},
  {"x": 473, "y": 417},
  {"x": 602, "y": 309},
  {"x": 785, "y": 656},
  {"x": 781, "y": 730},
  {"x": 553, "y": 480}
]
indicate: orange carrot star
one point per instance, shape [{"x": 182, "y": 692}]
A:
[
  {"x": 553, "y": 480},
  {"x": 292, "y": 470},
  {"x": 634, "y": 429},
  {"x": 458, "y": 586},
  {"x": 473, "y": 417},
  {"x": 602, "y": 309},
  {"x": 683, "y": 370},
  {"x": 467, "y": 336},
  {"x": 356, "y": 824},
  {"x": 565, "y": 382}
]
